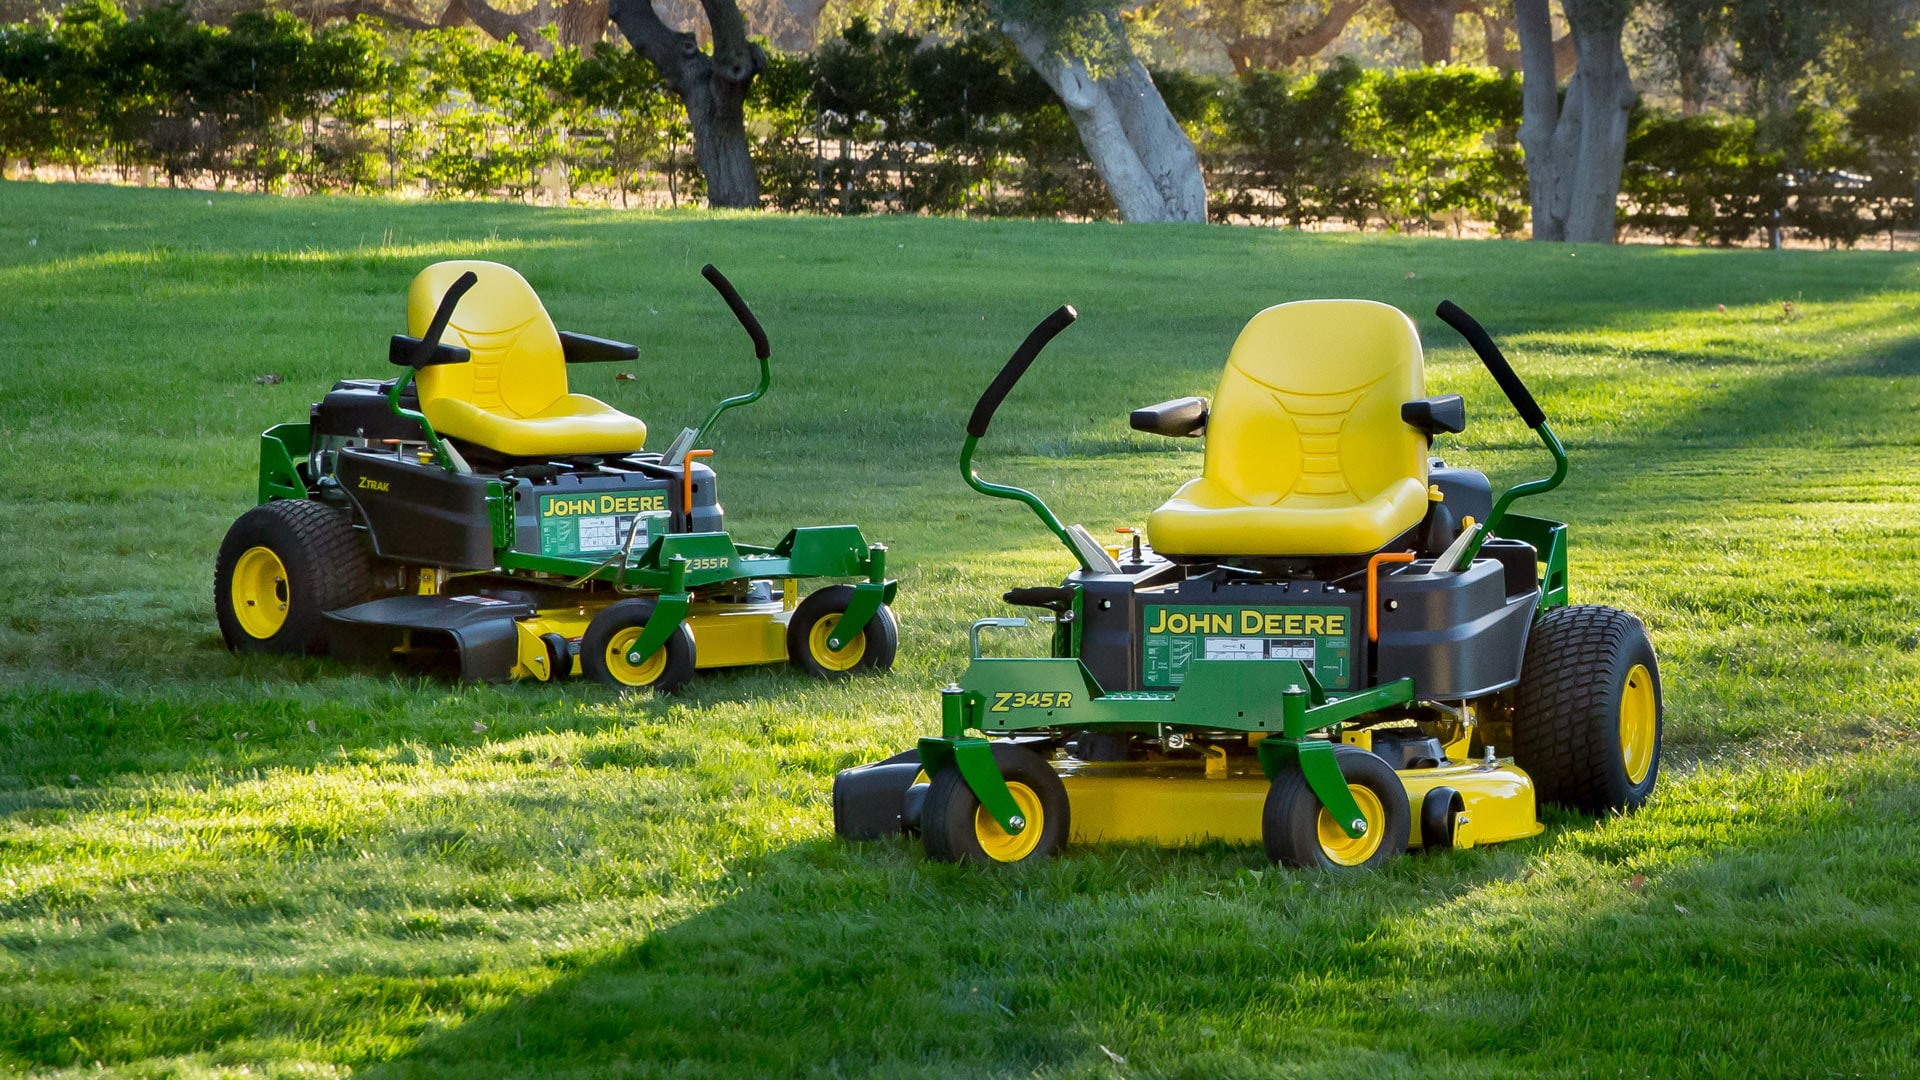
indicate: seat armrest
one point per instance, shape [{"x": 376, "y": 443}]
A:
[
  {"x": 587, "y": 349},
  {"x": 404, "y": 350},
  {"x": 1054, "y": 598},
  {"x": 1433, "y": 415},
  {"x": 1180, "y": 418}
]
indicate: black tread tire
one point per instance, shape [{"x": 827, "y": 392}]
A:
[
  {"x": 1566, "y": 710},
  {"x": 1289, "y": 821},
  {"x": 329, "y": 566},
  {"x": 1440, "y": 811},
  {"x": 882, "y": 633},
  {"x": 946, "y": 818},
  {"x": 628, "y": 613}
]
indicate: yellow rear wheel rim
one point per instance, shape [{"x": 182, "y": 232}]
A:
[
  {"x": 1344, "y": 850},
  {"x": 998, "y": 843},
  {"x": 1639, "y": 724},
  {"x": 259, "y": 592},
  {"x": 646, "y": 672},
  {"x": 841, "y": 659}
]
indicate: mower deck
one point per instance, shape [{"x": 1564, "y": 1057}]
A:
[{"x": 1177, "y": 802}]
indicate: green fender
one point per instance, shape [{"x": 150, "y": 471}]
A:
[{"x": 974, "y": 758}]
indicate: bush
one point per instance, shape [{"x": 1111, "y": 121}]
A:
[{"x": 887, "y": 122}]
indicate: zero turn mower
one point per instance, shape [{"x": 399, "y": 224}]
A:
[
  {"x": 1330, "y": 642},
  {"x": 476, "y": 514}
]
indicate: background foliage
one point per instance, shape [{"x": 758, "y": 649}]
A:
[{"x": 879, "y": 121}]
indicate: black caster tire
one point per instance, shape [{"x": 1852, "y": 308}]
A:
[
  {"x": 1587, "y": 715},
  {"x": 603, "y": 650},
  {"x": 873, "y": 650},
  {"x": 1299, "y": 832},
  {"x": 282, "y": 566},
  {"x": 955, "y": 828},
  {"x": 1440, "y": 811}
]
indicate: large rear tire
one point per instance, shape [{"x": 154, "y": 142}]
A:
[
  {"x": 1587, "y": 715},
  {"x": 281, "y": 568},
  {"x": 1298, "y": 831},
  {"x": 954, "y": 827}
]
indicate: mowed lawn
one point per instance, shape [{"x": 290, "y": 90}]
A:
[{"x": 215, "y": 866}]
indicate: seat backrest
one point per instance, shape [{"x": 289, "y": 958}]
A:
[
  {"x": 1308, "y": 409},
  {"x": 517, "y": 367}
]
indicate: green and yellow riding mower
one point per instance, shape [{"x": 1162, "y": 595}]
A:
[
  {"x": 476, "y": 514},
  {"x": 1330, "y": 642}
]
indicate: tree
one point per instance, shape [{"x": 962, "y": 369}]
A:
[
  {"x": 1679, "y": 41},
  {"x": 1080, "y": 50},
  {"x": 713, "y": 85},
  {"x": 1575, "y": 151},
  {"x": 577, "y": 23},
  {"x": 1266, "y": 35},
  {"x": 1433, "y": 20}
]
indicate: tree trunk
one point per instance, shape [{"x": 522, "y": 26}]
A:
[
  {"x": 1493, "y": 29},
  {"x": 1147, "y": 162},
  {"x": 582, "y": 23},
  {"x": 713, "y": 88},
  {"x": 1433, "y": 19},
  {"x": 1250, "y": 52},
  {"x": 1574, "y": 154},
  {"x": 797, "y": 26}
]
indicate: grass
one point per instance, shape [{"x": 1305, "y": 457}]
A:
[{"x": 218, "y": 867}]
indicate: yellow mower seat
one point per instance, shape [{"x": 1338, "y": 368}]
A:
[
  {"x": 512, "y": 396},
  {"x": 1306, "y": 452}
]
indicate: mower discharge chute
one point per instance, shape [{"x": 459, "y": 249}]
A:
[
  {"x": 477, "y": 514},
  {"x": 1330, "y": 642}
]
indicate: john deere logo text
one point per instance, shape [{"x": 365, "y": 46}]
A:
[
  {"x": 603, "y": 504},
  {"x": 1330, "y": 624},
  {"x": 368, "y": 483}
]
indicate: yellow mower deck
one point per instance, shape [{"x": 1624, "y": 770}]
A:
[
  {"x": 1185, "y": 801},
  {"x": 725, "y": 635}
]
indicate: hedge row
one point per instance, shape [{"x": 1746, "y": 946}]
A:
[{"x": 876, "y": 122}]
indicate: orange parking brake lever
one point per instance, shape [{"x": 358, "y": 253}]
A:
[
  {"x": 1373, "y": 587},
  {"x": 686, "y": 482}
]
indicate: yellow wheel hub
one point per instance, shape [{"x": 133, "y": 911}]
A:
[
  {"x": 259, "y": 593},
  {"x": 1344, "y": 850},
  {"x": 841, "y": 659},
  {"x": 1002, "y": 846},
  {"x": 1639, "y": 724},
  {"x": 625, "y": 671}
]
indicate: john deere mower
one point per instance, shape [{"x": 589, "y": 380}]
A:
[
  {"x": 477, "y": 515},
  {"x": 1329, "y": 642}
]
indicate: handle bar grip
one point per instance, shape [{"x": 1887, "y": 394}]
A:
[
  {"x": 1496, "y": 363},
  {"x": 725, "y": 288},
  {"x": 1017, "y": 365},
  {"x": 431, "y": 339}
]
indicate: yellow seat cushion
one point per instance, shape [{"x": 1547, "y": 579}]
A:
[
  {"x": 573, "y": 424},
  {"x": 512, "y": 397},
  {"x": 1306, "y": 453}
]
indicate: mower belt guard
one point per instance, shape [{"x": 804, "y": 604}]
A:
[
  {"x": 479, "y": 629},
  {"x": 419, "y": 512}
]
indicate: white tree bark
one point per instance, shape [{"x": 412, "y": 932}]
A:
[
  {"x": 1574, "y": 154},
  {"x": 1146, "y": 161}
]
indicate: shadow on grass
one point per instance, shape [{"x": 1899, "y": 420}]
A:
[{"x": 832, "y": 960}]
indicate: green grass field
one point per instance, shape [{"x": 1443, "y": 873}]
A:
[{"x": 221, "y": 867}]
